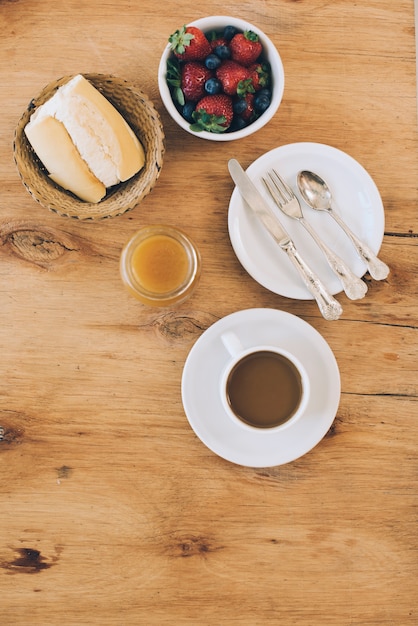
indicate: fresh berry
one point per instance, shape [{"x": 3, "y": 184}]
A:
[
  {"x": 222, "y": 51},
  {"x": 213, "y": 113},
  {"x": 216, "y": 41},
  {"x": 219, "y": 81},
  {"x": 187, "y": 111},
  {"x": 193, "y": 78},
  {"x": 213, "y": 86},
  {"x": 262, "y": 100},
  {"x": 229, "y": 32},
  {"x": 231, "y": 74},
  {"x": 265, "y": 92},
  {"x": 260, "y": 75},
  {"x": 245, "y": 48},
  {"x": 237, "y": 124},
  {"x": 249, "y": 113},
  {"x": 212, "y": 62},
  {"x": 239, "y": 106},
  {"x": 189, "y": 44}
]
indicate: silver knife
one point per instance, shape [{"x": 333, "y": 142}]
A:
[{"x": 330, "y": 308}]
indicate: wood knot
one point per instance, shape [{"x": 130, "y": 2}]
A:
[
  {"x": 10, "y": 437},
  {"x": 64, "y": 471},
  {"x": 41, "y": 246},
  {"x": 334, "y": 429},
  {"x": 192, "y": 545},
  {"x": 29, "y": 561},
  {"x": 176, "y": 326}
]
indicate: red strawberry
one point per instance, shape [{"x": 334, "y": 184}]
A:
[
  {"x": 189, "y": 44},
  {"x": 231, "y": 74},
  {"x": 245, "y": 48},
  {"x": 193, "y": 78},
  {"x": 220, "y": 41},
  {"x": 260, "y": 75},
  {"x": 249, "y": 111},
  {"x": 213, "y": 113}
]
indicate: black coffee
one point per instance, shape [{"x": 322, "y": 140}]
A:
[{"x": 264, "y": 389}]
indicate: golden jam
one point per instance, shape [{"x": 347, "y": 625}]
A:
[{"x": 160, "y": 265}]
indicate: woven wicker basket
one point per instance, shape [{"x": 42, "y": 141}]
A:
[{"x": 144, "y": 120}]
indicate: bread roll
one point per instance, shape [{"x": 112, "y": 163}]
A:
[{"x": 83, "y": 141}]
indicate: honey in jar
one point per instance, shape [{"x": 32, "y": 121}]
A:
[{"x": 160, "y": 265}]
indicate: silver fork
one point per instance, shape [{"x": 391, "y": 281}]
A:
[{"x": 287, "y": 201}]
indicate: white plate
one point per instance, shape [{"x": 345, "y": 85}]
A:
[
  {"x": 202, "y": 402},
  {"x": 357, "y": 199}
]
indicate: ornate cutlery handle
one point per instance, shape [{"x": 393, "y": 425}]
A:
[
  {"x": 330, "y": 308},
  {"x": 353, "y": 286},
  {"x": 378, "y": 270}
]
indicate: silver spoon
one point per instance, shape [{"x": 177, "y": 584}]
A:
[
  {"x": 317, "y": 195},
  {"x": 286, "y": 200}
]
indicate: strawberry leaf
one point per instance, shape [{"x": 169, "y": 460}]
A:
[
  {"x": 206, "y": 121},
  {"x": 180, "y": 40},
  {"x": 178, "y": 95},
  {"x": 245, "y": 86},
  {"x": 173, "y": 78},
  {"x": 250, "y": 35}
]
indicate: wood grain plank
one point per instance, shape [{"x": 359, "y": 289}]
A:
[{"x": 112, "y": 511}]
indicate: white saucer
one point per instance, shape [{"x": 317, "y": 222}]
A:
[
  {"x": 201, "y": 388},
  {"x": 357, "y": 199}
]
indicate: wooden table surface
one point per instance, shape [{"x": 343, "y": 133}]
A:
[{"x": 112, "y": 511}]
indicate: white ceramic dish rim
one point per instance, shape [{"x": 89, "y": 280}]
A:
[{"x": 272, "y": 55}]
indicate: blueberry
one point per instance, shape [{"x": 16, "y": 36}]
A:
[
  {"x": 213, "y": 86},
  {"x": 237, "y": 123},
  {"x": 187, "y": 111},
  {"x": 261, "y": 102},
  {"x": 222, "y": 51},
  {"x": 229, "y": 32},
  {"x": 239, "y": 106},
  {"x": 265, "y": 92},
  {"x": 212, "y": 62}
]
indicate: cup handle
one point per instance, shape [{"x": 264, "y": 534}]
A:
[{"x": 232, "y": 343}]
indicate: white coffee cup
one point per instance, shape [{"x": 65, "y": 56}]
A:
[{"x": 263, "y": 388}]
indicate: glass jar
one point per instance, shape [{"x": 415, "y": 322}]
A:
[{"x": 160, "y": 265}]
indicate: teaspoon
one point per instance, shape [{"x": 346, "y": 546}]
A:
[{"x": 317, "y": 195}]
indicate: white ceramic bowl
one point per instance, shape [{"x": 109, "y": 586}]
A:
[{"x": 218, "y": 23}]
